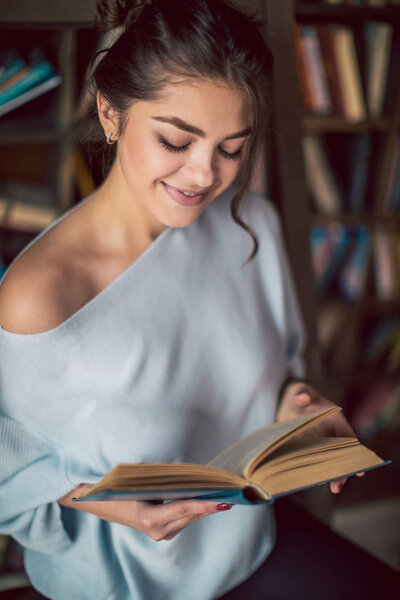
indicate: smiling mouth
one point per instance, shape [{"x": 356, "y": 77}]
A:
[{"x": 185, "y": 198}]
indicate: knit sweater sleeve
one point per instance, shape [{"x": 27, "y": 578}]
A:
[{"x": 33, "y": 476}]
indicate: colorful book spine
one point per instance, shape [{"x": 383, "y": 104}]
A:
[
  {"x": 360, "y": 169},
  {"x": 328, "y": 247},
  {"x": 36, "y": 75},
  {"x": 378, "y": 37},
  {"x": 349, "y": 74},
  {"x": 10, "y": 69},
  {"x": 318, "y": 85},
  {"x": 353, "y": 276},
  {"x": 386, "y": 277},
  {"x": 322, "y": 184}
]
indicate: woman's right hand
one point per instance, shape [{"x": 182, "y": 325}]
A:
[{"x": 158, "y": 521}]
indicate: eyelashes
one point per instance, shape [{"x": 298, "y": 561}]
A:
[{"x": 180, "y": 149}]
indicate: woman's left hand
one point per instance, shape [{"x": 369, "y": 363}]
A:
[{"x": 300, "y": 398}]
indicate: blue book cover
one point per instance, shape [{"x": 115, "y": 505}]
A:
[
  {"x": 341, "y": 238},
  {"x": 394, "y": 200},
  {"x": 273, "y": 461},
  {"x": 10, "y": 69},
  {"x": 360, "y": 167},
  {"x": 353, "y": 274},
  {"x": 36, "y": 75}
]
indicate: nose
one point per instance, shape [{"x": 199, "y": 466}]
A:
[{"x": 200, "y": 170}]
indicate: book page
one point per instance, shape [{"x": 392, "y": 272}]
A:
[
  {"x": 243, "y": 457},
  {"x": 313, "y": 463},
  {"x": 142, "y": 477}
]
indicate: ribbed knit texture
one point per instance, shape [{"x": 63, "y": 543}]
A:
[{"x": 180, "y": 356}]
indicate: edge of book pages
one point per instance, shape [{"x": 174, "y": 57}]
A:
[{"x": 228, "y": 495}]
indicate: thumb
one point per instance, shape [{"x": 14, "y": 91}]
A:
[{"x": 302, "y": 399}]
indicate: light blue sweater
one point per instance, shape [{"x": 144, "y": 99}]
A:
[{"x": 177, "y": 358}]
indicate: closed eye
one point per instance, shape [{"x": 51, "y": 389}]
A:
[{"x": 180, "y": 149}]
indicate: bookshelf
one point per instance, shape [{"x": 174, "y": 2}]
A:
[
  {"x": 343, "y": 372},
  {"x": 36, "y": 144},
  {"x": 37, "y": 139}
]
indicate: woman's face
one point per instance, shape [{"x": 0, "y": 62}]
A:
[{"x": 193, "y": 139}]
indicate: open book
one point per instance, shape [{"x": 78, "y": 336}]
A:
[{"x": 270, "y": 462}]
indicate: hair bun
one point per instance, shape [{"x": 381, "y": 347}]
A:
[{"x": 117, "y": 13}]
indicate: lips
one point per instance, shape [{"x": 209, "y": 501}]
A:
[{"x": 178, "y": 196}]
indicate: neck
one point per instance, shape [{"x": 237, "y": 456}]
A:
[{"x": 124, "y": 213}]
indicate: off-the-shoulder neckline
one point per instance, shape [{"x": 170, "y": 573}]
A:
[{"x": 90, "y": 304}]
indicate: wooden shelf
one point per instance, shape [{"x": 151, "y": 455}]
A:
[
  {"x": 366, "y": 305},
  {"x": 317, "y": 124},
  {"x": 42, "y": 13},
  {"x": 355, "y": 219},
  {"x": 346, "y": 14}
]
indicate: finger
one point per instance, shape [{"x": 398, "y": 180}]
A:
[
  {"x": 172, "y": 529},
  {"x": 160, "y": 515},
  {"x": 303, "y": 399},
  {"x": 337, "y": 486},
  {"x": 360, "y": 474},
  {"x": 341, "y": 427}
]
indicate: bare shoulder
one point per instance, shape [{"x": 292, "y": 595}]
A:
[{"x": 30, "y": 300}]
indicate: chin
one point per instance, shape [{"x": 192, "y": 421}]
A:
[{"x": 180, "y": 221}]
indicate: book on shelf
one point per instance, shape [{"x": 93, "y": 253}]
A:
[
  {"x": 359, "y": 162},
  {"x": 329, "y": 245},
  {"x": 26, "y": 206},
  {"x": 29, "y": 81},
  {"x": 349, "y": 73},
  {"x": 27, "y": 217},
  {"x": 392, "y": 97},
  {"x": 353, "y": 275},
  {"x": 332, "y": 321},
  {"x": 312, "y": 71},
  {"x": 16, "y": 78},
  {"x": 338, "y": 338},
  {"x": 378, "y": 38},
  {"x": 386, "y": 267},
  {"x": 31, "y": 94},
  {"x": 326, "y": 38},
  {"x": 379, "y": 411},
  {"x": 380, "y": 342},
  {"x": 388, "y": 164},
  {"x": 329, "y": 70},
  {"x": 273, "y": 461},
  {"x": 10, "y": 65},
  {"x": 322, "y": 183}
]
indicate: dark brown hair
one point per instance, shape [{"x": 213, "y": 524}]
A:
[{"x": 165, "y": 39}]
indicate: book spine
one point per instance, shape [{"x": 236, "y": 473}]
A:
[
  {"x": 325, "y": 37},
  {"x": 303, "y": 74},
  {"x": 319, "y": 87},
  {"x": 30, "y": 94},
  {"x": 35, "y": 76},
  {"x": 349, "y": 74},
  {"x": 321, "y": 181},
  {"x": 12, "y": 69},
  {"x": 353, "y": 275},
  {"x": 378, "y": 42},
  {"x": 359, "y": 177},
  {"x": 385, "y": 276}
]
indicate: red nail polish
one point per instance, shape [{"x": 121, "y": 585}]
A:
[{"x": 224, "y": 506}]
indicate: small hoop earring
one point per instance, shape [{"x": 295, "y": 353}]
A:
[{"x": 109, "y": 141}]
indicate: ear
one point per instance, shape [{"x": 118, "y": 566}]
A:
[{"x": 108, "y": 117}]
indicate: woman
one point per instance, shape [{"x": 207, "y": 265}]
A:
[{"x": 136, "y": 329}]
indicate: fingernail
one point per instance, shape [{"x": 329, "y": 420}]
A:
[{"x": 224, "y": 506}]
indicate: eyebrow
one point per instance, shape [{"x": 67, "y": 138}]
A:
[{"x": 195, "y": 130}]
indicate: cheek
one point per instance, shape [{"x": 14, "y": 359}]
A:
[{"x": 143, "y": 161}]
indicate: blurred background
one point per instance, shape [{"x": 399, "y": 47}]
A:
[{"x": 331, "y": 164}]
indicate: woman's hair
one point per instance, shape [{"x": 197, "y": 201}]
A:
[{"x": 167, "y": 41}]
